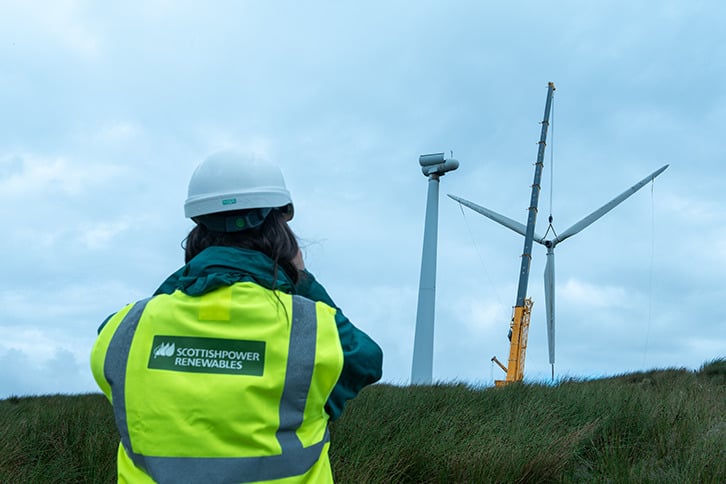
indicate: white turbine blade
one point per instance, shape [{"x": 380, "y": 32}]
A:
[
  {"x": 549, "y": 286},
  {"x": 607, "y": 207},
  {"x": 499, "y": 218}
]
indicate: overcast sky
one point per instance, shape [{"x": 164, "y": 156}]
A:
[{"x": 106, "y": 110}]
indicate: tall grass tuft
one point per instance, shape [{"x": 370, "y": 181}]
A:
[
  {"x": 657, "y": 426},
  {"x": 58, "y": 438}
]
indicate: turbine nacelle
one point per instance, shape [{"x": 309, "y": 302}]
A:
[{"x": 437, "y": 164}]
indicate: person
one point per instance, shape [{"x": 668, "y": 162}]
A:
[{"x": 233, "y": 368}]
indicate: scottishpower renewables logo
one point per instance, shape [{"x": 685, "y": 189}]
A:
[{"x": 207, "y": 355}]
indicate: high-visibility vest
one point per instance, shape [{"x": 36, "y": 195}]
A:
[{"x": 229, "y": 386}]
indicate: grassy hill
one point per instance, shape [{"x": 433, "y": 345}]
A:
[{"x": 660, "y": 426}]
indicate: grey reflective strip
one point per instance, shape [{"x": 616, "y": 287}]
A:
[
  {"x": 114, "y": 367},
  {"x": 299, "y": 371},
  {"x": 294, "y": 459}
]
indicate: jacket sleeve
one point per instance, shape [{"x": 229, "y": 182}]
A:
[{"x": 362, "y": 357}]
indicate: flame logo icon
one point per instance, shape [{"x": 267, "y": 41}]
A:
[{"x": 164, "y": 349}]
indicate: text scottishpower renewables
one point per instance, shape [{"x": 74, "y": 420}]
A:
[{"x": 207, "y": 355}]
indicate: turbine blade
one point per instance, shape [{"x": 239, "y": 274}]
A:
[
  {"x": 549, "y": 277},
  {"x": 497, "y": 217},
  {"x": 607, "y": 207}
]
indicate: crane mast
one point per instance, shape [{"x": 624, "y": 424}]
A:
[{"x": 519, "y": 326}]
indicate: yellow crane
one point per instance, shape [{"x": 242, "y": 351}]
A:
[{"x": 519, "y": 329}]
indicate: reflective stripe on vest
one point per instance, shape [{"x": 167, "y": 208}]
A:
[{"x": 294, "y": 459}]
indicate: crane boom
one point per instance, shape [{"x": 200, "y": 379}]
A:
[{"x": 519, "y": 327}]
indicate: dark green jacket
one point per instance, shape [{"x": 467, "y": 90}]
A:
[{"x": 215, "y": 267}]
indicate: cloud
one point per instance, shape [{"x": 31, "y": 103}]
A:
[
  {"x": 118, "y": 132},
  {"x": 481, "y": 316},
  {"x": 59, "y": 311},
  {"x": 56, "y": 370},
  {"x": 27, "y": 340},
  {"x": 47, "y": 331},
  {"x": 61, "y": 23},
  {"x": 586, "y": 295},
  {"x": 386, "y": 312},
  {"x": 221, "y": 137},
  {"x": 34, "y": 179},
  {"x": 102, "y": 234},
  {"x": 691, "y": 209}
]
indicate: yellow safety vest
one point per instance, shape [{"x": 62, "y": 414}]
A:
[{"x": 229, "y": 386}]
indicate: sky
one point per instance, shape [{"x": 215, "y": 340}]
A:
[{"x": 106, "y": 108}]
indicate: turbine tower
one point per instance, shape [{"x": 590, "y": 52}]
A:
[
  {"x": 433, "y": 166},
  {"x": 550, "y": 244}
]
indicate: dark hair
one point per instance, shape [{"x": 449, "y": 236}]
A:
[{"x": 273, "y": 237}]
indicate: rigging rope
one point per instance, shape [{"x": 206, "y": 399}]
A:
[{"x": 481, "y": 261}]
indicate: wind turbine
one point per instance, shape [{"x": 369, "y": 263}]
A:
[
  {"x": 433, "y": 167},
  {"x": 550, "y": 244}
]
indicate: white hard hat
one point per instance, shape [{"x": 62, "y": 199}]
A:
[{"x": 229, "y": 181}]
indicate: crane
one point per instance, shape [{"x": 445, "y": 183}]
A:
[{"x": 519, "y": 325}]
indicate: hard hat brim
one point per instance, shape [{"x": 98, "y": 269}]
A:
[{"x": 215, "y": 203}]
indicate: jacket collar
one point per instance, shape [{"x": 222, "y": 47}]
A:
[{"x": 216, "y": 267}]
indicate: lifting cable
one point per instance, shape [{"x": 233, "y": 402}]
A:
[
  {"x": 552, "y": 170},
  {"x": 552, "y": 156}
]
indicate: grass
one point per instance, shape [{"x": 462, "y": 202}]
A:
[
  {"x": 659, "y": 426},
  {"x": 58, "y": 438}
]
